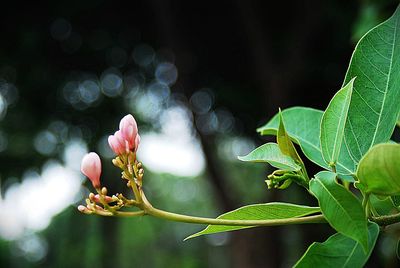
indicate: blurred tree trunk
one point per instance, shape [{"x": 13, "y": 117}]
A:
[{"x": 276, "y": 77}]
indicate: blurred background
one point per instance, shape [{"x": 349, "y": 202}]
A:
[{"x": 199, "y": 77}]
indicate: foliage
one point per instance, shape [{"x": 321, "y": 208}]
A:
[{"x": 351, "y": 141}]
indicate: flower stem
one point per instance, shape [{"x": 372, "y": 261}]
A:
[
  {"x": 150, "y": 210},
  {"x": 200, "y": 220},
  {"x": 120, "y": 213}
]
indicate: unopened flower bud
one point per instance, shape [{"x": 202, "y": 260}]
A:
[
  {"x": 104, "y": 191},
  {"x": 117, "y": 162},
  {"x": 84, "y": 209},
  {"x": 107, "y": 199},
  {"x": 129, "y": 130},
  {"x": 91, "y": 167},
  {"x": 137, "y": 142},
  {"x": 117, "y": 143}
]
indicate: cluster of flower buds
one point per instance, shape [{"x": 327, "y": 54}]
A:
[
  {"x": 124, "y": 144},
  {"x": 281, "y": 179},
  {"x": 126, "y": 139}
]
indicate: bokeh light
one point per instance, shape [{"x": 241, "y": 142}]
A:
[
  {"x": 143, "y": 55},
  {"x": 166, "y": 73},
  {"x": 60, "y": 29},
  {"x": 111, "y": 81},
  {"x": 30, "y": 204}
]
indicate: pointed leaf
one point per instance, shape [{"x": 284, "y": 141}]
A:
[
  {"x": 379, "y": 170},
  {"x": 270, "y": 153},
  {"x": 285, "y": 143},
  {"x": 333, "y": 124},
  {"x": 340, "y": 207},
  {"x": 339, "y": 251},
  {"x": 268, "y": 211},
  {"x": 303, "y": 126},
  {"x": 374, "y": 106}
]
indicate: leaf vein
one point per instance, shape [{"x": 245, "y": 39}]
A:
[{"x": 387, "y": 84}]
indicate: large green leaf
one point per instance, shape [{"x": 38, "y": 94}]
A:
[
  {"x": 374, "y": 106},
  {"x": 333, "y": 124},
  {"x": 303, "y": 125},
  {"x": 379, "y": 170},
  {"x": 270, "y": 153},
  {"x": 268, "y": 211},
  {"x": 340, "y": 207},
  {"x": 339, "y": 251}
]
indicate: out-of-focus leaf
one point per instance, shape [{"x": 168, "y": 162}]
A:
[{"x": 379, "y": 170}]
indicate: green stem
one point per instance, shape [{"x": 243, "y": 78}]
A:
[
  {"x": 120, "y": 213},
  {"x": 150, "y": 210},
  {"x": 387, "y": 219},
  {"x": 365, "y": 204},
  {"x": 200, "y": 220}
]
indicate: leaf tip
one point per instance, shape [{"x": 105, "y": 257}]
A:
[
  {"x": 241, "y": 158},
  {"x": 191, "y": 236}
]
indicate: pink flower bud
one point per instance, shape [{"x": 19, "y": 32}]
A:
[
  {"x": 116, "y": 145},
  {"x": 123, "y": 143},
  {"x": 81, "y": 208},
  {"x": 129, "y": 129},
  {"x": 107, "y": 199},
  {"x": 91, "y": 167},
  {"x": 137, "y": 141}
]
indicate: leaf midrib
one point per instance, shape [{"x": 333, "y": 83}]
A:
[{"x": 351, "y": 253}]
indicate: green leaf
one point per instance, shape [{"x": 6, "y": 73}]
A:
[
  {"x": 379, "y": 170},
  {"x": 374, "y": 106},
  {"x": 268, "y": 211},
  {"x": 382, "y": 206},
  {"x": 339, "y": 251},
  {"x": 398, "y": 249},
  {"x": 398, "y": 121},
  {"x": 395, "y": 200},
  {"x": 270, "y": 153},
  {"x": 285, "y": 143},
  {"x": 303, "y": 126},
  {"x": 333, "y": 124},
  {"x": 340, "y": 207}
]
